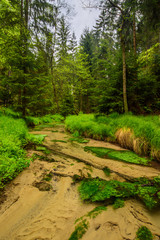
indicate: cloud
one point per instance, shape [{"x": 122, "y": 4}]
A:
[{"x": 84, "y": 17}]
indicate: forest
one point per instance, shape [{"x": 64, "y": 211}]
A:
[
  {"x": 79, "y": 121},
  {"x": 113, "y": 68}
]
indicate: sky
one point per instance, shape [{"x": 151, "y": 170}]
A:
[{"x": 83, "y": 17}]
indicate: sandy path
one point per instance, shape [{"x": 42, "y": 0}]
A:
[{"x": 32, "y": 213}]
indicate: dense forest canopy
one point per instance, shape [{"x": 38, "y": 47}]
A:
[{"x": 115, "y": 67}]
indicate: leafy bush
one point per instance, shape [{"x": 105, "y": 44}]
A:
[
  {"x": 10, "y": 113},
  {"x": 13, "y": 134},
  {"x": 144, "y": 233}
]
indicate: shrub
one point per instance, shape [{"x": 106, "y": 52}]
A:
[{"x": 13, "y": 134}]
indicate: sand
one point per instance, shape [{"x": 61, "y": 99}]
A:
[{"x": 35, "y": 209}]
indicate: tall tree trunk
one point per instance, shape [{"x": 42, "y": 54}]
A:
[
  {"x": 24, "y": 100},
  {"x": 134, "y": 34},
  {"x": 55, "y": 98},
  {"x": 81, "y": 97},
  {"x": 124, "y": 75}
]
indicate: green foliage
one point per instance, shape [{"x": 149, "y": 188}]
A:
[
  {"x": 13, "y": 136},
  {"x": 35, "y": 138},
  {"x": 147, "y": 129},
  {"x": 118, "y": 203},
  {"x": 144, "y": 233},
  {"x": 80, "y": 230},
  {"x": 96, "y": 190},
  {"x": 126, "y": 156},
  {"x": 34, "y": 121},
  {"x": 48, "y": 177},
  {"x": 59, "y": 141},
  {"x": 96, "y": 211},
  {"x": 107, "y": 171},
  {"x": 83, "y": 224},
  {"x": 10, "y": 113}
]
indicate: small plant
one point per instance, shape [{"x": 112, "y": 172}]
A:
[
  {"x": 119, "y": 203},
  {"x": 96, "y": 211},
  {"x": 35, "y": 138},
  {"x": 80, "y": 230},
  {"x": 59, "y": 141},
  {"x": 144, "y": 233},
  {"x": 107, "y": 171},
  {"x": 48, "y": 177}
]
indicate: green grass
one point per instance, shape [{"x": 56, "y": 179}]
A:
[
  {"x": 126, "y": 156},
  {"x": 34, "y": 121},
  {"x": 146, "y": 129},
  {"x": 13, "y": 136},
  {"x": 98, "y": 190}
]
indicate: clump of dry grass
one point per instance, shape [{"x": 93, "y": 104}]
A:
[{"x": 127, "y": 139}]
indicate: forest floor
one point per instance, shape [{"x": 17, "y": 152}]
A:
[{"x": 35, "y": 209}]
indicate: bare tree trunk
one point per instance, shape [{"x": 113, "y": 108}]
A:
[
  {"x": 26, "y": 18},
  {"x": 124, "y": 76},
  {"x": 134, "y": 34},
  {"x": 81, "y": 97},
  {"x": 55, "y": 98}
]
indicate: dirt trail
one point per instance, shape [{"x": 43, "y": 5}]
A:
[{"x": 35, "y": 209}]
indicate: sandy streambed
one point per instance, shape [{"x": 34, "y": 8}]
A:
[{"x": 36, "y": 209}]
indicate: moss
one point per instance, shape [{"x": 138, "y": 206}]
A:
[
  {"x": 59, "y": 141},
  {"x": 107, "y": 171},
  {"x": 119, "y": 203},
  {"x": 48, "y": 177},
  {"x": 80, "y": 230},
  {"x": 40, "y": 148},
  {"x": 144, "y": 233},
  {"x": 83, "y": 224},
  {"x": 125, "y": 156},
  {"x": 97, "y": 190},
  {"x": 96, "y": 211},
  {"x": 44, "y": 158},
  {"x": 78, "y": 139}
]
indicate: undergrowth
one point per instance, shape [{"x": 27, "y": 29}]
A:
[
  {"x": 143, "y": 132},
  {"x": 77, "y": 138},
  {"x": 126, "y": 156},
  {"x": 34, "y": 121},
  {"x": 14, "y": 138}
]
